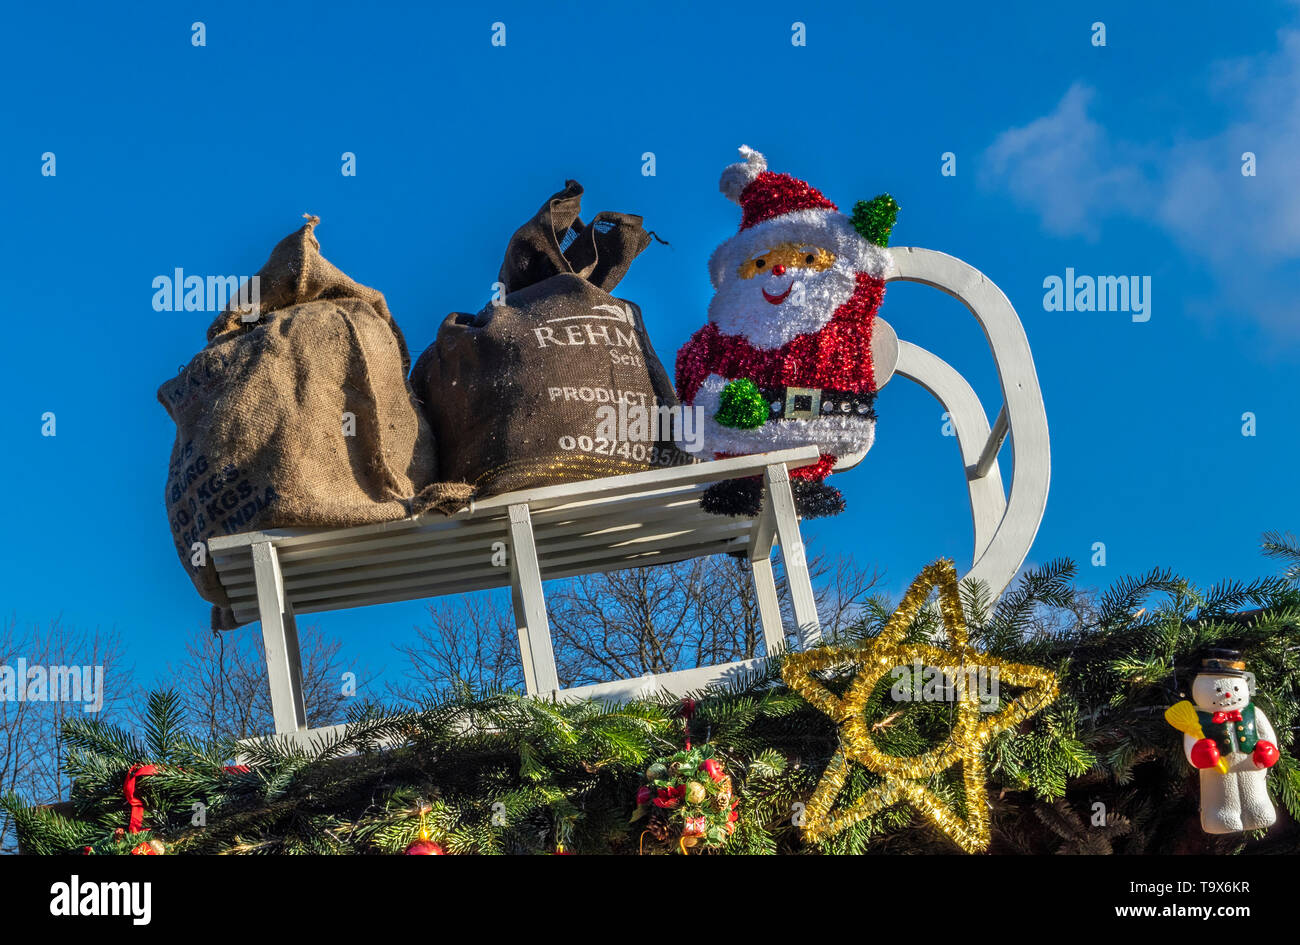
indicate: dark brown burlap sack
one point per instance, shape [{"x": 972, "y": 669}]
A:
[
  {"x": 303, "y": 417},
  {"x": 556, "y": 380}
]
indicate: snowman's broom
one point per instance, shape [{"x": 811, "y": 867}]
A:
[{"x": 1183, "y": 717}]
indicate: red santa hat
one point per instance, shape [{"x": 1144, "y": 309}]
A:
[{"x": 779, "y": 208}]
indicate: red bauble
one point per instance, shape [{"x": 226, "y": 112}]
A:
[{"x": 425, "y": 848}]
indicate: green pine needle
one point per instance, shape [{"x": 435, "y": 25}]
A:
[{"x": 493, "y": 772}]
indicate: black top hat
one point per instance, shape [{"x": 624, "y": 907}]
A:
[{"x": 1220, "y": 662}]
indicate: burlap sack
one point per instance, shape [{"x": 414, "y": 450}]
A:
[
  {"x": 303, "y": 417},
  {"x": 523, "y": 393}
]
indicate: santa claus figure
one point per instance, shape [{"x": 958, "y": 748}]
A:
[{"x": 785, "y": 359}]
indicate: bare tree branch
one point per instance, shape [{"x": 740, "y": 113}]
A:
[
  {"x": 622, "y": 624},
  {"x": 38, "y": 692},
  {"x": 223, "y": 677}
]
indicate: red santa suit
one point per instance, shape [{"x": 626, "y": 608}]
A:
[
  {"x": 797, "y": 292},
  {"x": 834, "y": 358}
]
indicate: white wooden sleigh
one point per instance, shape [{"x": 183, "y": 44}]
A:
[{"x": 644, "y": 519}]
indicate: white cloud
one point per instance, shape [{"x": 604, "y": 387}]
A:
[
  {"x": 1063, "y": 165},
  {"x": 1076, "y": 175},
  {"x": 1206, "y": 202}
]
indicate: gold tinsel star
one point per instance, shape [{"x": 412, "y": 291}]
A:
[{"x": 971, "y": 731}]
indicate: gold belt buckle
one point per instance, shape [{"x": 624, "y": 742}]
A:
[{"x": 802, "y": 403}]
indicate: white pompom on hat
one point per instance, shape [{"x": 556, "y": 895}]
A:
[{"x": 736, "y": 177}]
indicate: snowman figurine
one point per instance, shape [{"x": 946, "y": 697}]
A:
[{"x": 1232, "y": 744}]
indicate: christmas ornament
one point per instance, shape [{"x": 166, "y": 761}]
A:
[
  {"x": 1231, "y": 742},
  {"x": 684, "y": 805},
  {"x": 658, "y": 825},
  {"x": 785, "y": 359},
  {"x": 121, "y": 842},
  {"x": 903, "y": 777},
  {"x": 423, "y": 846}
]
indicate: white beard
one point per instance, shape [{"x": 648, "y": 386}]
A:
[{"x": 739, "y": 308}]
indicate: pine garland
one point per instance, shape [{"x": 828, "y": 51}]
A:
[{"x": 496, "y": 772}]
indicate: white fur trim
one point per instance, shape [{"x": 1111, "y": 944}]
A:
[
  {"x": 736, "y": 177},
  {"x": 824, "y": 228},
  {"x": 709, "y": 396},
  {"x": 836, "y": 435}
]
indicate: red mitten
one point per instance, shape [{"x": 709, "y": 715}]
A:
[
  {"x": 1265, "y": 754},
  {"x": 1205, "y": 754}
]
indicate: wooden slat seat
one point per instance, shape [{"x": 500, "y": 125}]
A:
[{"x": 519, "y": 540}]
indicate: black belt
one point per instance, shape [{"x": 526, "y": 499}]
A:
[{"x": 805, "y": 403}]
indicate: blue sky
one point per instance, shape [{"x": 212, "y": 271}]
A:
[{"x": 1121, "y": 160}]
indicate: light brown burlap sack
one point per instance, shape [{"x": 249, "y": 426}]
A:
[
  {"x": 551, "y": 383},
  {"x": 303, "y": 417}
]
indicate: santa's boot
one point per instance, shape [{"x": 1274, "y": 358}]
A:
[
  {"x": 742, "y": 498},
  {"x": 814, "y": 499}
]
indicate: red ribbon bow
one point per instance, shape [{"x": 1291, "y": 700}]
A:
[
  {"x": 136, "y": 822},
  {"x": 1233, "y": 716},
  {"x": 688, "y": 710}
]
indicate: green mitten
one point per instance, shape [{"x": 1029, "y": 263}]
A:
[{"x": 741, "y": 405}]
